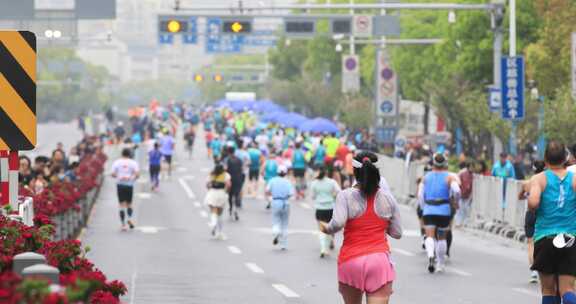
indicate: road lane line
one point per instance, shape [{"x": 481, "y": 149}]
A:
[
  {"x": 186, "y": 188},
  {"x": 285, "y": 291},
  {"x": 527, "y": 292},
  {"x": 133, "y": 287},
  {"x": 234, "y": 250},
  {"x": 144, "y": 195},
  {"x": 203, "y": 214},
  {"x": 197, "y": 204},
  {"x": 305, "y": 206},
  {"x": 403, "y": 252},
  {"x": 254, "y": 268},
  {"x": 458, "y": 272}
]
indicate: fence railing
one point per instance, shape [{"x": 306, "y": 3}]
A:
[{"x": 493, "y": 208}]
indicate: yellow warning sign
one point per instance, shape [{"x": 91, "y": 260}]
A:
[{"x": 17, "y": 90}]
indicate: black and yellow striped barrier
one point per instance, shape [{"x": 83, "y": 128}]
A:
[{"x": 17, "y": 90}]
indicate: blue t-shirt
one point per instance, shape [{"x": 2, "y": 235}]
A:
[
  {"x": 298, "y": 159},
  {"x": 167, "y": 145},
  {"x": 320, "y": 155},
  {"x": 255, "y": 155},
  {"x": 280, "y": 188},
  {"x": 270, "y": 169},
  {"x": 155, "y": 157},
  {"x": 503, "y": 171},
  {"x": 216, "y": 146},
  {"x": 557, "y": 211}
]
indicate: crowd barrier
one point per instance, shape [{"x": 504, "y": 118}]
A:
[
  {"x": 492, "y": 209},
  {"x": 69, "y": 224}
]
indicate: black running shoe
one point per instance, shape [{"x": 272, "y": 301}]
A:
[
  {"x": 275, "y": 241},
  {"x": 236, "y": 217},
  {"x": 130, "y": 224},
  {"x": 431, "y": 266}
]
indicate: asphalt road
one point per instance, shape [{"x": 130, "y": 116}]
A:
[{"x": 171, "y": 258}]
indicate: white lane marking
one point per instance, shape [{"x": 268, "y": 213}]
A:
[
  {"x": 197, "y": 204},
  {"x": 527, "y": 292},
  {"x": 133, "y": 286},
  {"x": 234, "y": 250},
  {"x": 284, "y": 290},
  {"x": 403, "y": 252},
  {"x": 182, "y": 169},
  {"x": 144, "y": 195},
  {"x": 203, "y": 214},
  {"x": 254, "y": 268},
  {"x": 458, "y": 272},
  {"x": 148, "y": 229},
  {"x": 205, "y": 170},
  {"x": 186, "y": 188},
  {"x": 305, "y": 206},
  {"x": 411, "y": 233}
]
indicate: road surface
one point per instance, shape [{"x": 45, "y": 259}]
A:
[{"x": 171, "y": 258}]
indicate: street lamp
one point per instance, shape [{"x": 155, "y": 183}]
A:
[{"x": 535, "y": 95}]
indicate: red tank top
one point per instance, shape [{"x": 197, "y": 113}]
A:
[{"x": 364, "y": 235}]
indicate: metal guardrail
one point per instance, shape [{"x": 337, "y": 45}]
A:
[{"x": 492, "y": 209}]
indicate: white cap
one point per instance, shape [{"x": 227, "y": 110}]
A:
[{"x": 282, "y": 169}]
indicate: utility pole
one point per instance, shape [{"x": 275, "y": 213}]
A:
[
  {"x": 497, "y": 23},
  {"x": 352, "y": 46},
  {"x": 512, "y": 4}
]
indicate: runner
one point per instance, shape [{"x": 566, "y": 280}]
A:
[
  {"x": 216, "y": 198},
  {"x": 216, "y": 148},
  {"x": 438, "y": 194},
  {"x": 189, "y": 137},
  {"x": 125, "y": 170},
  {"x": 269, "y": 171},
  {"x": 155, "y": 160},
  {"x": 552, "y": 196},
  {"x": 530, "y": 219},
  {"x": 367, "y": 213},
  {"x": 254, "y": 170},
  {"x": 299, "y": 169},
  {"x": 167, "y": 148},
  {"x": 280, "y": 190},
  {"x": 324, "y": 191},
  {"x": 234, "y": 167}
]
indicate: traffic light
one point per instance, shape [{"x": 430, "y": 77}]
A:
[
  {"x": 198, "y": 78},
  {"x": 173, "y": 26},
  {"x": 237, "y": 26},
  {"x": 218, "y": 78},
  {"x": 299, "y": 26}
]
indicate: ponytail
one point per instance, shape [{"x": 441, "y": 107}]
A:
[{"x": 366, "y": 173}]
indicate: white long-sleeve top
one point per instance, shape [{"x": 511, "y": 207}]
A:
[{"x": 350, "y": 204}]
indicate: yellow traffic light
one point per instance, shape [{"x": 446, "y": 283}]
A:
[
  {"x": 237, "y": 27},
  {"x": 174, "y": 26},
  {"x": 198, "y": 78},
  {"x": 218, "y": 78}
]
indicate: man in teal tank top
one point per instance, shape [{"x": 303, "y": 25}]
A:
[{"x": 553, "y": 197}]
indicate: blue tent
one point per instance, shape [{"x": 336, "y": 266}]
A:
[
  {"x": 267, "y": 106},
  {"x": 291, "y": 120},
  {"x": 271, "y": 117},
  {"x": 320, "y": 125}
]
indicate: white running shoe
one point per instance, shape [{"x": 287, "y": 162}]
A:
[{"x": 440, "y": 267}]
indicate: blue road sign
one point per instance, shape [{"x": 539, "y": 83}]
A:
[
  {"x": 494, "y": 99},
  {"x": 386, "y": 135},
  {"x": 191, "y": 36},
  {"x": 218, "y": 43},
  {"x": 513, "y": 88},
  {"x": 386, "y": 106},
  {"x": 166, "y": 38}
]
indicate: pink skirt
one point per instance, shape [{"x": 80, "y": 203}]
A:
[{"x": 367, "y": 273}]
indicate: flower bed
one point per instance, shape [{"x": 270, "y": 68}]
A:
[{"x": 82, "y": 282}]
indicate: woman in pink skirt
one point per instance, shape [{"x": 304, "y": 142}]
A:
[{"x": 367, "y": 213}]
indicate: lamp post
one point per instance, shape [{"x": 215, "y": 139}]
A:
[{"x": 535, "y": 95}]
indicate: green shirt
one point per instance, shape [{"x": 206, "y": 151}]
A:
[{"x": 324, "y": 193}]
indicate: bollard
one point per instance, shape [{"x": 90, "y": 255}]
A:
[
  {"x": 27, "y": 259},
  {"x": 42, "y": 271}
]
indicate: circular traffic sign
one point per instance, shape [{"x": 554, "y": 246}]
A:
[
  {"x": 362, "y": 23},
  {"x": 386, "y": 106},
  {"x": 350, "y": 64},
  {"x": 387, "y": 73},
  {"x": 400, "y": 142}
]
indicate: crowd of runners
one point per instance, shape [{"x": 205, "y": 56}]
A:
[{"x": 277, "y": 165}]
